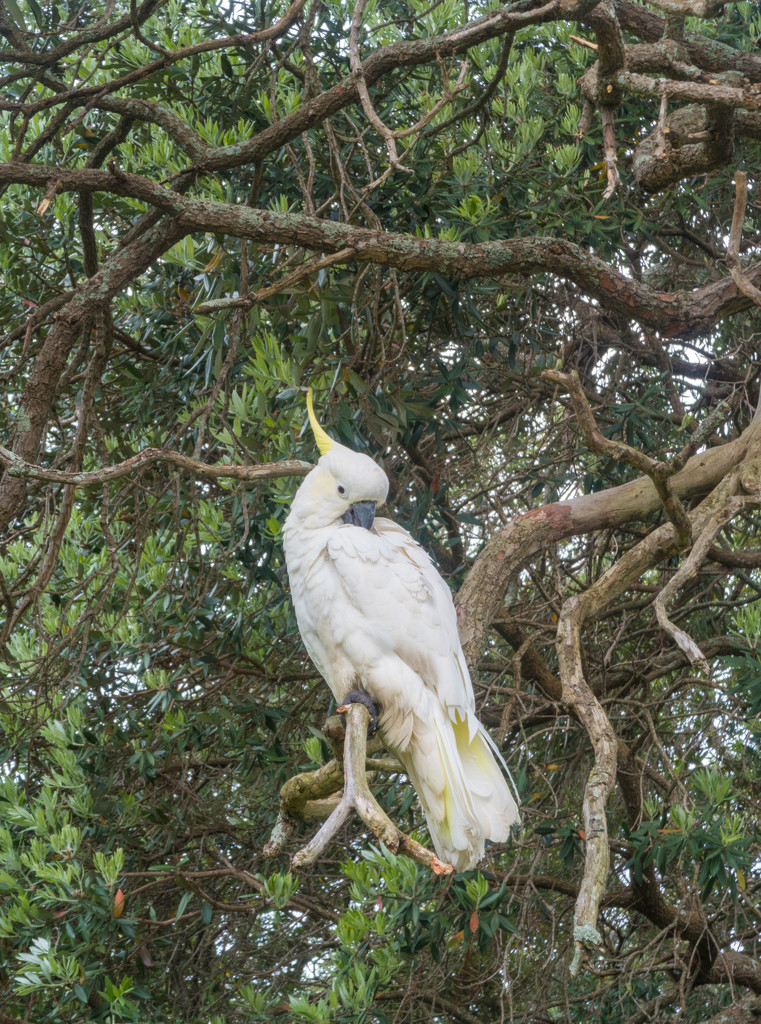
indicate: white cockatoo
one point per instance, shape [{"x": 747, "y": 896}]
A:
[{"x": 378, "y": 620}]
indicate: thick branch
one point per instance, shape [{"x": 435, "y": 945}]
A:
[
  {"x": 707, "y": 53},
  {"x": 680, "y": 313},
  {"x": 691, "y": 8},
  {"x": 695, "y": 92},
  {"x": 103, "y": 29},
  {"x": 508, "y": 550},
  {"x": 661, "y": 543},
  {"x": 746, "y": 1012},
  {"x": 576, "y": 693},
  {"x": 579, "y": 697}
]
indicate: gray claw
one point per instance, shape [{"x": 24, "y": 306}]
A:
[{"x": 364, "y": 698}]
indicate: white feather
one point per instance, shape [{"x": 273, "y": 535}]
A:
[{"x": 374, "y": 613}]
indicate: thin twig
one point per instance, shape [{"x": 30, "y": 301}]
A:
[
  {"x": 659, "y": 472},
  {"x": 583, "y": 42},
  {"x": 247, "y": 301}
]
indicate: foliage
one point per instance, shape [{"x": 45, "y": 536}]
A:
[{"x": 200, "y": 219}]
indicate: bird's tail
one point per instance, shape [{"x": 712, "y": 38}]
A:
[{"x": 464, "y": 793}]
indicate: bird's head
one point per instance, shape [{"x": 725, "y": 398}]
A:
[{"x": 344, "y": 485}]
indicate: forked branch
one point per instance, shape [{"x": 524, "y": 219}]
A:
[
  {"x": 388, "y": 135},
  {"x": 305, "y": 796},
  {"x": 704, "y": 523}
]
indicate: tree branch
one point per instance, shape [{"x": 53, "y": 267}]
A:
[
  {"x": 508, "y": 550},
  {"x": 680, "y": 313},
  {"x": 19, "y": 468},
  {"x": 687, "y": 571},
  {"x": 579, "y": 698},
  {"x": 739, "y": 276},
  {"x": 357, "y": 797},
  {"x": 659, "y": 472}
]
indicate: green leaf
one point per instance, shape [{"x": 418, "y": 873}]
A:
[{"x": 183, "y": 904}]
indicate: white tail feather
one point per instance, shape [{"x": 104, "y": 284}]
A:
[{"x": 464, "y": 794}]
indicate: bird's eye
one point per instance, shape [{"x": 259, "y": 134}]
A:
[{"x": 341, "y": 489}]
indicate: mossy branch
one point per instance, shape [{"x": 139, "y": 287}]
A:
[{"x": 338, "y": 789}]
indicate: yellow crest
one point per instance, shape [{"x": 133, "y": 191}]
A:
[{"x": 324, "y": 443}]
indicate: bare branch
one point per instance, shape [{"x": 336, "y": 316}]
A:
[
  {"x": 739, "y": 276},
  {"x": 357, "y": 797},
  {"x": 19, "y": 468},
  {"x": 512, "y": 547},
  {"x": 247, "y": 301},
  {"x": 698, "y": 92},
  {"x": 687, "y": 571},
  {"x": 691, "y": 8},
  {"x": 580, "y": 699}
]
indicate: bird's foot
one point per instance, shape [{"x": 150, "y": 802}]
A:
[{"x": 363, "y": 697}]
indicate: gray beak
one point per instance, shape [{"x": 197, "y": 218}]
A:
[{"x": 361, "y": 513}]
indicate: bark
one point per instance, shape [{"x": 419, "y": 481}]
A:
[
  {"x": 709, "y": 54},
  {"x": 579, "y": 697},
  {"x": 746, "y": 1012},
  {"x": 511, "y": 548},
  {"x": 484, "y": 589},
  {"x": 738, "y": 968},
  {"x": 104, "y": 28},
  {"x": 684, "y": 313},
  {"x": 698, "y": 139},
  {"x": 16, "y": 467},
  {"x": 578, "y": 610},
  {"x": 356, "y": 797},
  {"x": 39, "y": 393}
]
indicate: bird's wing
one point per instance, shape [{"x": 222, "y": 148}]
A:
[{"x": 394, "y": 585}]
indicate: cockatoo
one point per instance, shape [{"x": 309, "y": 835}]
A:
[{"x": 378, "y": 621}]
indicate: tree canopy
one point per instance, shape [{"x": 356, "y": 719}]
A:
[{"x": 515, "y": 251}]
